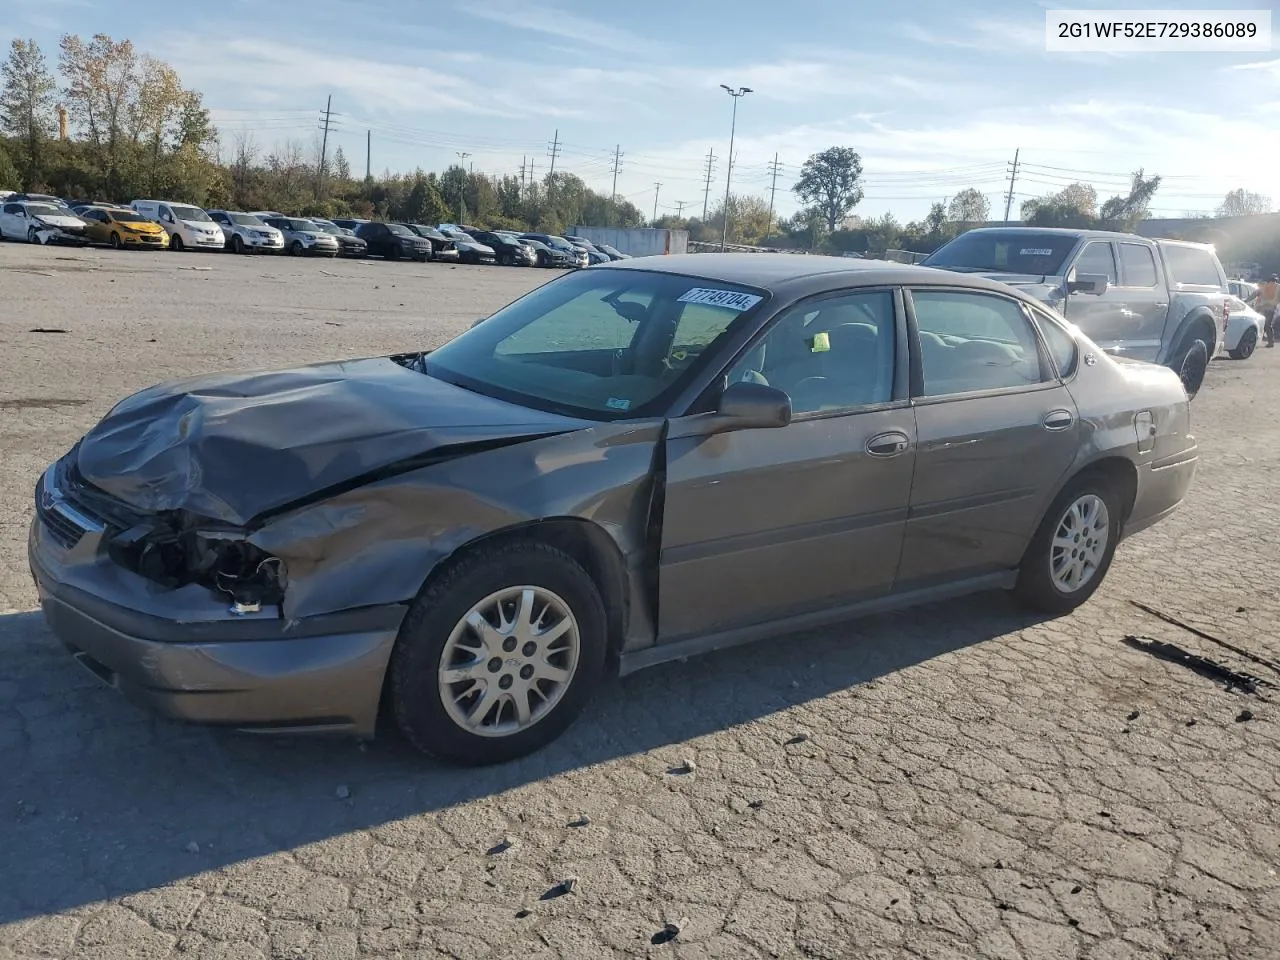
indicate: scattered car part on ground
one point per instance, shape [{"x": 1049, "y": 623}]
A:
[
  {"x": 480, "y": 529},
  {"x": 1271, "y": 665},
  {"x": 1158, "y": 300},
  {"x": 1206, "y": 667},
  {"x": 247, "y": 232}
]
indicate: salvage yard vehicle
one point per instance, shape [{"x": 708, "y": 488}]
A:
[
  {"x": 302, "y": 238},
  {"x": 247, "y": 232},
  {"x": 122, "y": 227},
  {"x": 470, "y": 250},
  {"x": 507, "y": 250},
  {"x": 1244, "y": 329},
  {"x": 186, "y": 225},
  {"x": 38, "y": 222},
  {"x": 1158, "y": 300},
  {"x": 349, "y": 245},
  {"x": 394, "y": 241},
  {"x": 629, "y": 465}
]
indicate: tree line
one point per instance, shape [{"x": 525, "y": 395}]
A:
[{"x": 116, "y": 123}]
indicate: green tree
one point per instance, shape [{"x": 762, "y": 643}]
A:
[
  {"x": 8, "y": 172},
  {"x": 424, "y": 203},
  {"x": 27, "y": 103},
  {"x": 341, "y": 168},
  {"x": 969, "y": 206},
  {"x": 1243, "y": 203},
  {"x": 1128, "y": 211},
  {"x": 102, "y": 89},
  {"x": 830, "y": 183}
]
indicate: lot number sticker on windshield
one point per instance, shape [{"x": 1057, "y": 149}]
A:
[
  {"x": 729, "y": 299},
  {"x": 1035, "y": 252}
]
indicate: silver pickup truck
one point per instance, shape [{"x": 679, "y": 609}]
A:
[{"x": 1163, "y": 301}]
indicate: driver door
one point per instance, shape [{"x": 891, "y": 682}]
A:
[{"x": 765, "y": 524}]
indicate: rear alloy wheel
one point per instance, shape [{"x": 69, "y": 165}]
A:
[
  {"x": 295, "y": 248},
  {"x": 116, "y": 243},
  {"x": 1191, "y": 365},
  {"x": 498, "y": 656},
  {"x": 237, "y": 244},
  {"x": 1248, "y": 343},
  {"x": 1072, "y": 550}
]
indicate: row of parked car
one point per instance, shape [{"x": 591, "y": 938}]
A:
[{"x": 160, "y": 224}]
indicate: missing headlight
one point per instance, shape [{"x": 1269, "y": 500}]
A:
[
  {"x": 174, "y": 557},
  {"x": 249, "y": 576}
]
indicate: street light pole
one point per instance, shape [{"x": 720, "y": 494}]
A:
[{"x": 728, "y": 177}]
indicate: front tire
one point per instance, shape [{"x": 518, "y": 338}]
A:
[
  {"x": 1072, "y": 549},
  {"x": 116, "y": 242},
  {"x": 32, "y": 235},
  {"x": 497, "y": 657},
  {"x": 1191, "y": 365},
  {"x": 1248, "y": 343},
  {"x": 237, "y": 244},
  {"x": 175, "y": 243}
]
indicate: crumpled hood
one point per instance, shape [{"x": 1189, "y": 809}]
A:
[{"x": 233, "y": 446}]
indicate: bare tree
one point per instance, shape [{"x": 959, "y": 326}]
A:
[{"x": 1243, "y": 203}]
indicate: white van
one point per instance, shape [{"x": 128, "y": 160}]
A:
[{"x": 187, "y": 226}]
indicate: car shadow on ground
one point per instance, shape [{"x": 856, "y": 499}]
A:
[{"x": 99, "y": 799}]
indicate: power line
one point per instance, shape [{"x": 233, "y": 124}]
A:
[
  {"x": 617, "y": 162},
  {"x": 326, "y": 117}
]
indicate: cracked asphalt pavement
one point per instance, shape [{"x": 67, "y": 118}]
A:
[{"x": 958, "y": 781}]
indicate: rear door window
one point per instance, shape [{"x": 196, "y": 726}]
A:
[{"x": 1139, "y": 265}]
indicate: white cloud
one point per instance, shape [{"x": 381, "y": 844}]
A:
[{"x": 541, "y": 18}]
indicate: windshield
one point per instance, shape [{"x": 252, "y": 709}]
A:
[
  {"x": 464, "y": 237},
  {"x": 995, "y": 251},
  {"x": 601, "y": 344},
  {"x": 305, "y": 226},
  {"x": 328, "y": 227},
  {"x": 46, "y": 210},
  {"x": 400, "y": 230},
  {"x": 245, "y": 220},
  {"x": 611, "y": 251},
  {"x": 190, "y": 213},
  {"x": 127, "y": 216}
]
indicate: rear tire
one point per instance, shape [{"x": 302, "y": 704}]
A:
[
  {"x": 1065, "y": 563},
  {"x": 237, "y": 245},
  {"x": 175, "y": 243},
  {"x": 295, "y": 248},
  {"x": 116, "y": 243},
  {"x": 1248, "y": 343},
  {"x": 1191, "y": 364},
  {"x": 431, "y": 710}
]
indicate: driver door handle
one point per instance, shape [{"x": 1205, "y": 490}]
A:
[
  {"x": 890, "y": 444},
  {"x": 1059, "y": 420}
]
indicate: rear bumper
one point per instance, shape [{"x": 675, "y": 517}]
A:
[
  {"x": 260, "y": 672},
  {"x": 1162, "y": 486}
]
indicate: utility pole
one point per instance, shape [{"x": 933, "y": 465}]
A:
[
  {"x": 326, "y": 117},
  {"x": 773, "y": 189},
  {"x": 462, "y": 194},
  {"x": 368, "y": 154},
  {"x": 728, "y": 180},
  {"x": 522, "y": 162},
  {"x": 706, "y": 195},
  {"x": 617, "y": 162},
  {"x": 680, "y": 205},
  {"x": 656, "y": 188},
  {"x": 554, "y": 151},
  {"x": 1013, "y": 178}
]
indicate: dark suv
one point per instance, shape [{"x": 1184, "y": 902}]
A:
[{"x": 394, "y": 241}]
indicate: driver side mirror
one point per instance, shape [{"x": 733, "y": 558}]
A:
[
  {"x": 752, "y": 406},
  {"x": 1094, "y": 284}
]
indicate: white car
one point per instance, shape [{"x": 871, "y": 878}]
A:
[
  {"x": 187, "y": 226},
  {"x": 1244, "y": 329},
  {"x": 40, "y": 223},
  {"x": 246, "y": 232}
]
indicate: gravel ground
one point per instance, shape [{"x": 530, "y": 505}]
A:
[{"x": 957, "y": 781}]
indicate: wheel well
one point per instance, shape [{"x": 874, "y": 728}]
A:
[
  {"x": 592, "y": 548},
  {"x": 1203, "y": 328},
  {"x": 1121, "y": 475}
]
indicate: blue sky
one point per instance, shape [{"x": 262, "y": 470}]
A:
[{"x": 936, "y": 96}]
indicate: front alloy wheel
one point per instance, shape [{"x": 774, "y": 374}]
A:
[{"x": 498, "y": 655}]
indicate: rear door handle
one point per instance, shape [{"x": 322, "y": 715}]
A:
[
  {"x": 888, "y": 444},
  {"x": 1059, "y": 420}
]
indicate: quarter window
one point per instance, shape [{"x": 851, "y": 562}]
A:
[
  {"x": 1193, "y": 266},
  {"x": 830, "y": 355},
  {"x": 1062, "y": 346},
  {"x": 1139, "y": 265},
  {"x": 1097, "y": 258},
  {"x": 974, "y": 341}
]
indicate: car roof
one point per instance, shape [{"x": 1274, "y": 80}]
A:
[
  {"x": 772, "y": 270},
  {"x": 1076, "y": 232}
]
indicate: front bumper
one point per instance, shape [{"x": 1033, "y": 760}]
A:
[
  {"x": 257, "y": 243},
  {"x": 182, "y": 653},
  {"x": 65, "y": 238}
]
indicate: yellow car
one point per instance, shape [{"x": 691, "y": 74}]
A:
[{"x": 122, "y": 227}]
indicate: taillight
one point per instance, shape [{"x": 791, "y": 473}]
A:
[{"x": 1226, "y": 312}]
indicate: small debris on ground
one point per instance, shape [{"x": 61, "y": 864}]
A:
[
  {"x": 332, "y": 323},
  {"x": 563, "y": 888},
  {"x": 1244, "y": 716},
  {"x": 756, "y": 804},
  {"x": 670, "y": 930},
  {"x": 687, "y": 766},
  {"x": 342, "y": 792},
  {"x": 46, "y": 330},
  {"x": 1234, "y": 679},
  {"x": 1191, "y": 722},
  {"x": 1134, "y": 715},
  {"x": 521, "y": 914},
  {"x": 582, "y": 821},
  {"x": 798, "y": 738},
  {"x": 502, "y": 846},
  {"x": 1077, "y": 888}
]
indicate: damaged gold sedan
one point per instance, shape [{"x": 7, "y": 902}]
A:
[{"x": 633, "y": 463}]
